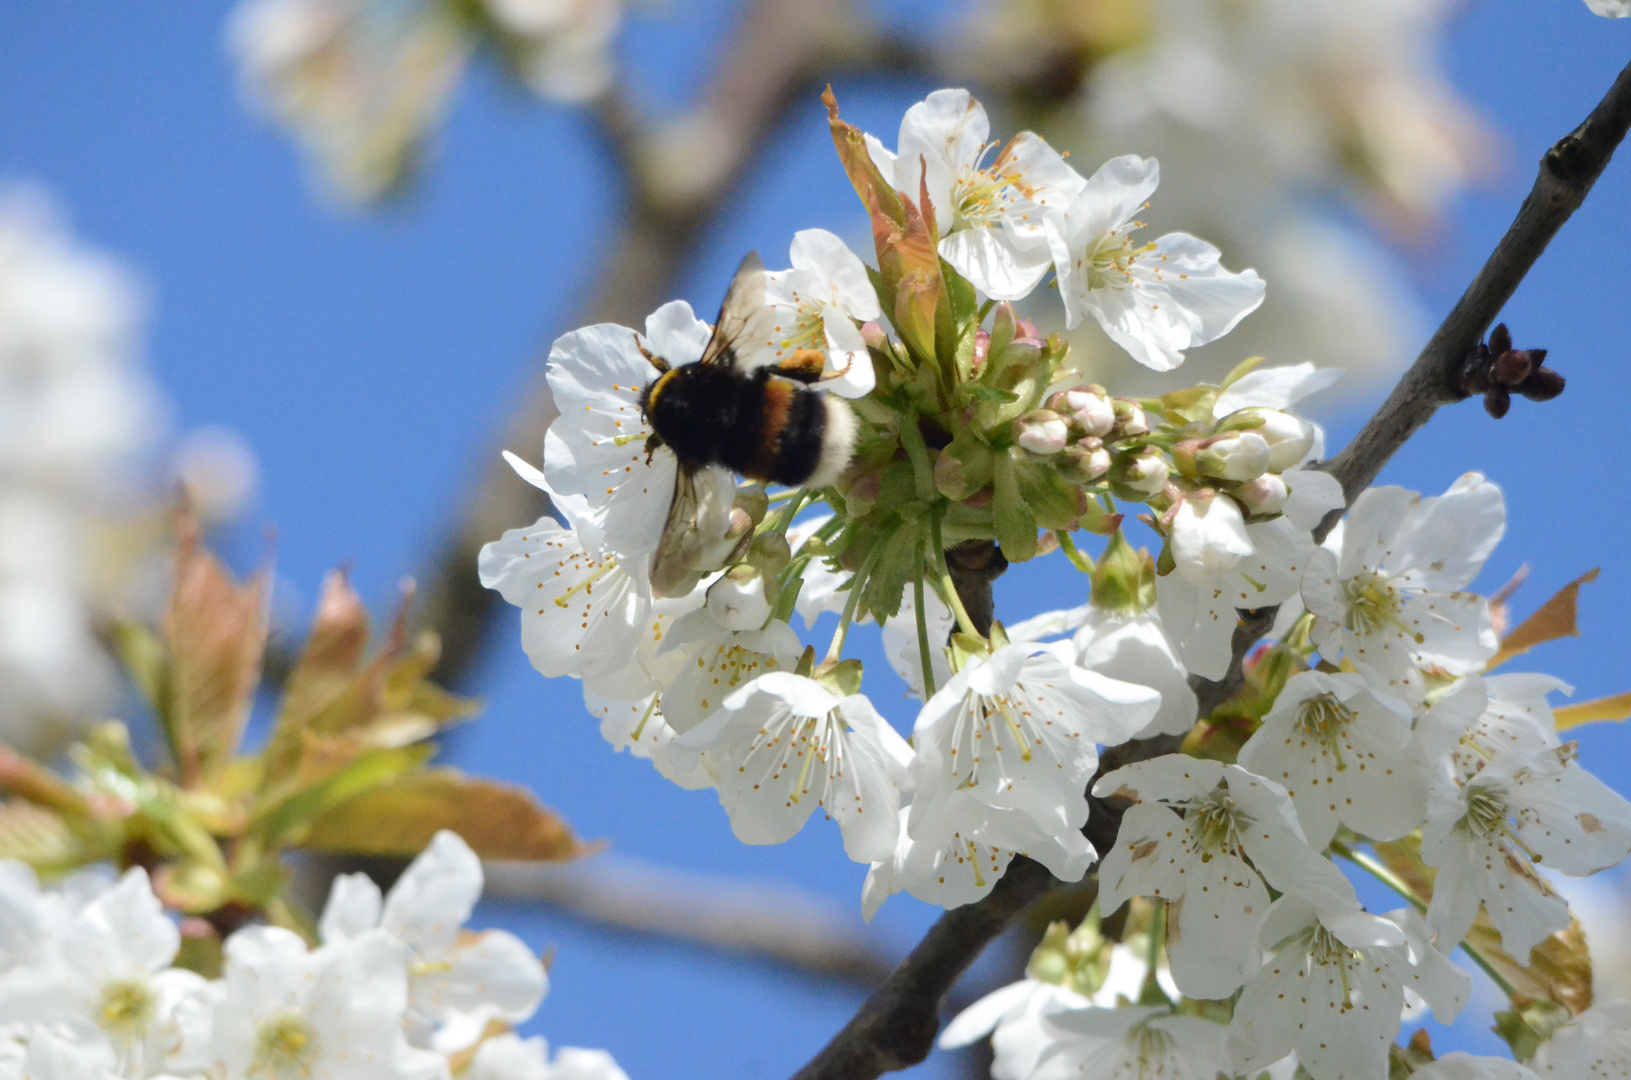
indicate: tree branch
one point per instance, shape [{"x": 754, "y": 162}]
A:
[
  {"x": 896, "y": 1026},
  {"x": 780, "y": 926},
  {"x": 1567, "y": 172}
]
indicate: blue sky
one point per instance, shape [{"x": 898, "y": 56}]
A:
[{"x": 369, "y": 361}]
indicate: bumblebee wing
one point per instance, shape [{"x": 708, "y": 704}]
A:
[
  {"x": 694, "y": 533},
  {"x": 743, "y": 305}
]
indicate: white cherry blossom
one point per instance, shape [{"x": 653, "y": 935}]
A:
[
  {"x": 970, "y": 848},
  {"x": 816, "y": 305},
  {"x": 1596, "y": 1044},
  {"x": 359, "y": 84},
  {"x": 1130, "y": 646},
  {"x": 1610, "y": 9},
  {"x": 286, "y": 1013},
  {"x": 639, "y": 727},
  {"x": 1333, "y": 988},
  {"x": 783, "y": 745},
  {"x": 1154, "y": 300},
  {"x": 1135, "y": 1042},
  {"x": 1187, "y": 842},
  {"x": 1017, "y": 1016},
  {"x": 717, "y": 661},
  {"x": 509, "y": 1057},
  {"x": 596, "y": 448},
  {"x": 1344, "y": 755},
  {"x": 582, "y": 614},
  {"x": 457, "y": 981},
  {"x": 105, "y": 974},
  {"x": 1199, "y": 600},
  {"x": 1017, "y": 731},
  {"x": 1460, "y": 1065},
  {"x": 1391, "y": 600},
  {"x": 1484, "y": 830},
  {"x": 989, "y": 215}
]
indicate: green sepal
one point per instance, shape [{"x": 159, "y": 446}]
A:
[
  {"x": 965, "y": 466},
  {"x": 1013, "y": 521}
]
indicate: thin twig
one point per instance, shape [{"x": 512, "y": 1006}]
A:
[
  {"x": 897, "y": 1025},
  {"x": 895, "y": 1028},
  {"x": 1567, "y": 172},
  {"x": 780, "y": 926}
]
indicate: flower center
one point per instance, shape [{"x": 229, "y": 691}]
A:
[
  {"x": 1214, "y": 825},
  {"x": 1326, "y": 950},
  {"x": 1372, "y": 604},
  {"x": 1486, "y": 810},
  {"x": 1154, "y": 1048},
  {"x": 980, "y": 197},
  {"x": 1324, "y": 719},
  {"x": 1109, "y": 261},
  {"x": 284, "y": 1047},
  {"x": 125, "y": 1007}
]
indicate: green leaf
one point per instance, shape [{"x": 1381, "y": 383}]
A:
[
  {"x": 902, "y": 233},
  {"x": 282, "y": 821},
  {"x": 216, "y": 633},
  {"x": 498, "y": 821},
  {"x": 147, "y": 660},
  {"x": 1014, "y": 523}
]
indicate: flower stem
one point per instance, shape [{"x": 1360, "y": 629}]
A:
[
  {"x": 924, "y": 652},
  {"x": 1379, "y": 870},
  {"x": 947, "y": 586},
  {"x": 788, "y": 512},
  {"x": 856, "y": 584},
  {"x": 1068, "y": 546},
  {"x": 1151, "y": 992}
]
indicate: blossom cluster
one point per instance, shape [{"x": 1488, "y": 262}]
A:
[
  {"x": 1374, "y": 731},
  {"x": 361, "y": 83},
  {"x": 76, "y": 413},
  {"x": 92, "y": 988}
]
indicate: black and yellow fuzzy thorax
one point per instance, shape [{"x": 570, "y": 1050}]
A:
[{"x": 756, "y": 423}]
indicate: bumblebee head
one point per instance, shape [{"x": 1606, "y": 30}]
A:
[{"x": 648, "y": 396}]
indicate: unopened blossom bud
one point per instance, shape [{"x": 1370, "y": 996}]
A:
[
  {"x": 1089, "y": 409},
  {"x": 737, "y": 601},
  {"x": 875, "y": 338},
  {"x": 1240, "y": 455},
  {"x": 1083, "y": 462},
  {"x": 1263, "y": 496},
  {"x": 1145, "y": 472},
  {"x": 1290, "y": 438},
  {"x": 1041, "y": 431},
  {"x": 1207, "y": 536},
  {"x": 1130, "y": 418},
  {"x": 982, "y": 349},
  {"x": 1543, "y": 384}
]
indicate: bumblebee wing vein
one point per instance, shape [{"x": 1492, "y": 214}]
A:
[
  {"x": 677, "y": 548},
  {"x": 744, "y": 301}
]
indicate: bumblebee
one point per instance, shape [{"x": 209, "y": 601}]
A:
[{"x": 766, "y": 422}]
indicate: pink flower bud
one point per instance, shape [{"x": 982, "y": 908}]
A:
[
  {"x": 1041, "y": 431},
  {"x": 1263, "y": 496},
  {"x": 1130, "y": 418},
  {"x": 1088, "y": 410}
]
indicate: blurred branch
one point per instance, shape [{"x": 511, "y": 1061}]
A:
[
  {"x": 681, "y": 175},
  {"x": 1567, "y": 172},
  {"x": 780, "y": 926},
  {"x": 896, "y": 1026}
]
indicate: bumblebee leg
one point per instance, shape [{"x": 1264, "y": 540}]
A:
[
  {"x": 804, "y": 365},
  {"x": 654, "y": 441},
  {"x": 654, "y": 360}
]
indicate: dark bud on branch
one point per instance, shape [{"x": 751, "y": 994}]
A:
[{"x": 1496, "y": 370}]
